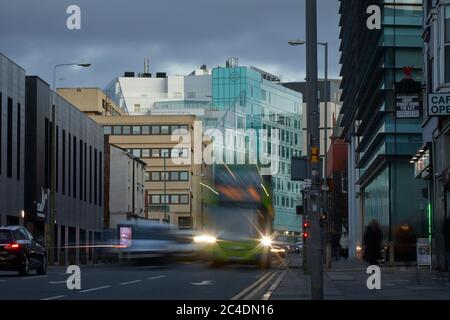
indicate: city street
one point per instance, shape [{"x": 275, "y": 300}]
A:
[{"x": 185, "y": 281}]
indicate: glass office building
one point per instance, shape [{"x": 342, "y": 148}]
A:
[
  {"x": 381, "y": 143},
  {"x": 259, "y": 101}
]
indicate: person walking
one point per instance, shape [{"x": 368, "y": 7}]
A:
[
  {"x": 446, "y": 232},
  {"x": 372, "y": 243},
  {"x": 345, "y": 243}
]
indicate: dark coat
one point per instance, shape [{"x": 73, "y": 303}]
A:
[
  {"x": 446, "y": 232},
  {"x": 372, "y": 244}
]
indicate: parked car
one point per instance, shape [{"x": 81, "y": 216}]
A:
[{"x": 19, "y": 251}]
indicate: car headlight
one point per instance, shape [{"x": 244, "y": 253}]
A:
[
  {"x": 205, "y": 239},
  {"x": 266, "y": 241}
]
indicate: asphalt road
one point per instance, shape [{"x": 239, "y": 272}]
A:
[{"x": 181, "y": 281}]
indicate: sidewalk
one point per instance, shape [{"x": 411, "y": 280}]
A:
[{"x": 346, "y": 280}]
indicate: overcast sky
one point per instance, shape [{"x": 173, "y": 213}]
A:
[{"x": 176, "y": 35}]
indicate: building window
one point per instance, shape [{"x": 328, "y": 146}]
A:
[
  {"x": 74, "y": 145},
  {"x": 136, "y": 130},
  {"x": 174, "y": 199},
  {"x": 164, "y": 129},
  {"x": 9, "y": 138},
  {"x": 184, "y": 176},
  {"x": 174, "y": 176},
  {"x": 155, "y": 199},
  {"x": 447, "y": 44},
  {"x": 156, "y": 176},
  {"x": 155, "y": 130},
  {"x": 126, "y": 130},
  {"x": 145, "y": 129},
  {"x": 18, "y": 141},
  {"x": 107, "y": 130},
  {"x": 63, "y": 162},
  {"x": 117, "y": 130},
  {"x": 137, "y": 153},
  {"x": 184, "y": 199},
  {"x": 145, "y": 153}
]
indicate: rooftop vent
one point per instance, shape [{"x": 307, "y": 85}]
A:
[{"x": 128, "y": 74}]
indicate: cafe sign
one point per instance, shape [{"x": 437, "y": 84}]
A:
[{"x": 439, "y": 104}]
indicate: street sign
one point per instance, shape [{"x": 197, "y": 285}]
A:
[
  {"x": 423, "y": 252},
  {"x": 438, "y": 104},
  {"x": 307, "y": 183}
]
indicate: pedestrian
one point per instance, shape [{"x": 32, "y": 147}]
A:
[
  {"x": 372, "y": 243},
  {"x": 446, "y": 232},
  {"x": 344, "y": 242}
]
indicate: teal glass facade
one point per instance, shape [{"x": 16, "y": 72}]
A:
[{"x": 265, "y": 104}]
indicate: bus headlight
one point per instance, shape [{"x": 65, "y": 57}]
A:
[
  {"x": 266, "y": 241},
  {"x": 205, "y": 239}
]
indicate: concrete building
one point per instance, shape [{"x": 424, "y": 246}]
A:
[
  {"x": 91, "y": 101},
  {"x": 381, "y": 139},
  {"x": 171, "y": 179},
  {"x": 12, "y": 142},
  {"x": 432, "y": 160},
  {"x": 124, "y": 186},
  {"x": 79, "y": 172}
]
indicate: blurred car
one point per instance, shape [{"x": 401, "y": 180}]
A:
[
  {"x": 278, "y": 250},
  {"x": 298, "y": 247},
  {"x": 20, "y": 252}
]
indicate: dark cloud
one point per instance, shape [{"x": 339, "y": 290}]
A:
[{"x": 177, "y": 36}]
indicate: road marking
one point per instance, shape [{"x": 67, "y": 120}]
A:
[
  {"x": 54, "y": 298},
  {"x": 129, "y": 282},
  {"x": 203, "y": 283},
  {"x": 94, "y": 289},
  {"x": 57, "y": 282},
  {"x": 260, "y": 287},
  {"x": 157, "y": 277},
  {"x": 2, "y": 280},
  {"x": 273, "y": 287},
  {"x": 36, "y": 277},
  {"x": 243, "y": 292}
]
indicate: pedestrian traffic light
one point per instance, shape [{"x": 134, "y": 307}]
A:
[{"x": 306, "y": 225}]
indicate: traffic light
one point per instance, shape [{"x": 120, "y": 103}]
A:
[{"x": 306, "y": 226}]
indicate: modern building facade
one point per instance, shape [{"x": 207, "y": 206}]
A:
[
  {"x": 79, "y": 172},
  {"x": 381, "y": 143},
  {"x": 124, "y": 191},
  {"x": 432, "y": 160},
  {"x": 263, "y": 103},
  {"x": 12, "y": 142}
]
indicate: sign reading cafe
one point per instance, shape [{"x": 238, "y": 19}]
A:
[{"x": 439, "y": 104}]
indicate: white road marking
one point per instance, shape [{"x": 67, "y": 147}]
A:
[
  {"x": 243, "y": 292},
  {"x": 203, "y": 283},
  {"x": 54, "y": 298},
  {"x": 129, "y": 282},
  {"x": 95, "y": 289},
  {"x": 273, "y": 287},
  {"x": 57, "y": 282},
  {"x": 36, "y": 277},
  {"x": 157, "y": 277},
  {"x": 2, "y": 280}
]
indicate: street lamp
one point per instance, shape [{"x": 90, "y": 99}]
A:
[
  {"x": 325, "y": 156},
  {"x": 51, "y": 223}
]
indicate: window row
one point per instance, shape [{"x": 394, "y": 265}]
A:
[
  {"x": 168, "y": 199},
  {"x": 145, "y": 130},
  {"x": 160, "y": 153},
  {"x": 10, "y": 131},
  {"x": 167, "y": 176}
]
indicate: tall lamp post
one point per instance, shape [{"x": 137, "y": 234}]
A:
[
  {"x": 325, "y": 155},
  {"x": 50, "y": 232},
  {"x": 314, "y": 194}
]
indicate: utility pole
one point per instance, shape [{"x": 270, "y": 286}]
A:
[{"x": 314, "y": 208}]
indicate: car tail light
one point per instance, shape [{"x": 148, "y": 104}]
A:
[{"x": 12, "y": 246}]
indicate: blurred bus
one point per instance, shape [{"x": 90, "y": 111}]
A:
[{"x": 239, "y": 216}]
